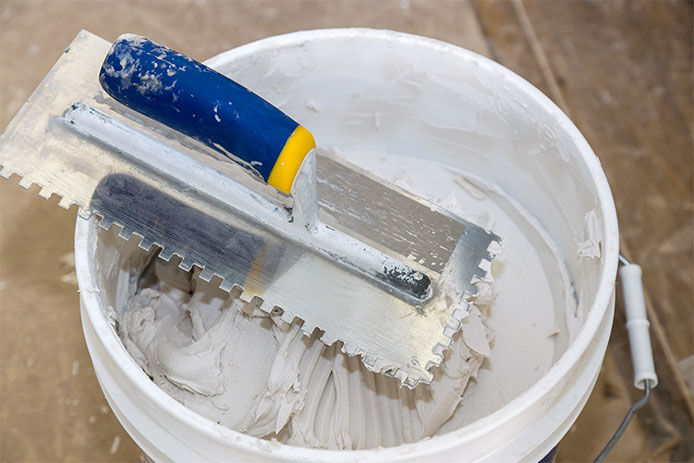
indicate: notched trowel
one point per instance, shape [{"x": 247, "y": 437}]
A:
[{"x": 369, "y": 264}]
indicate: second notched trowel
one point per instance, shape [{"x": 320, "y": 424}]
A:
[{"x": 134, "y": 132}]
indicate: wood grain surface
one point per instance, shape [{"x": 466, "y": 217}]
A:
[{"x": 622, "y": 70}]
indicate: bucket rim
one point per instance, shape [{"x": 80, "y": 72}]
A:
[{"x": 470, "y": 432}]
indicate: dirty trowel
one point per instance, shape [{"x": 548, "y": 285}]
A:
[{"x": 141, "y": 136}]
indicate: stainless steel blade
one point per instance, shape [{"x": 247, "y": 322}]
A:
[
  {"x": 386, "y": 216},
  {"x": 113, "y": 162}
]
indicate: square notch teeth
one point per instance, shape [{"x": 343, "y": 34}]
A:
[
  {"x": 246, "y": 296},
  {"x": 66, "y": 203},
  {"x": 454, "y": 323},
  {"x": 381, "y": 366},
  {"x": 477, "y": 275},
  {"x": 25, "y": 183},
  {"x": 256, "y": 302},
  {"x": 448, "y": 333},
  {"x": 359, "y": 351},
  {"x": 404, "y": 378},
  {"x": 145, "y": 244},
  {"x": 166, "y": 254},
  {"x": 485, "y": 265},
  {"x": 125, "y": 233},
  {"x": 438, "y": 349},
  {"x": 266, "y": 306},
  {"x": 328, "y": 340},
  {"x": 45, "y": 193},
  {"x": 431, "y": 363},
  {"x": 206, "y": 274},
  {"x": 349, "y": 348},
  {"x": 289, "y": 317},
  {"x": 494, "y": 248},
  {"x": 137, "y": 237},
  {"x": 5, "y": 172},
  {"x": 252, "y": 299},
  {"x": 217, "y": 281},
  {"x": 411, "y": 383},
  {"x": 186, "y": 265},
  {"x": 458, "y": 314},
  {"x": 105, "y": 223},
  {"x": 228, "y": 286}
]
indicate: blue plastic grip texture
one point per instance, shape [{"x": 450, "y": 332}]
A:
[{"x": 195, "y": 100}]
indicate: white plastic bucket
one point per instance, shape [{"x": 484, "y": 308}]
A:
[{"x": 454, "y": 89}]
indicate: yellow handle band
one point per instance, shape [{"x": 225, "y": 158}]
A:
[{"x": 299, "y": 143}]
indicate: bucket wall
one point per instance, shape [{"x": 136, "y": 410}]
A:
[{"x": 365, "y": 91}]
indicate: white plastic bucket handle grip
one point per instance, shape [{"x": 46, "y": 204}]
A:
[{"x": 637, "y": 326}]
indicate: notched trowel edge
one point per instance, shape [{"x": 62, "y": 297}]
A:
[{"x": 48, "y": 150}]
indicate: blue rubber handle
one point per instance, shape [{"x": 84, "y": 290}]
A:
[{"x": 197, "y": 101}]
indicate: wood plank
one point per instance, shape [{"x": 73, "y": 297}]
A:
[
  {"x": 623, "y": 71},
  {"x": 507, "y": 41}
]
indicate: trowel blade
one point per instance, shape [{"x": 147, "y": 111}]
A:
[{"x": 93, "y": 162}]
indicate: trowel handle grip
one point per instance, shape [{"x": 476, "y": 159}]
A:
[{"x": 206, "y": 105}]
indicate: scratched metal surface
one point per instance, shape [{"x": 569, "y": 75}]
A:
[{"x": 71, "y": 141}]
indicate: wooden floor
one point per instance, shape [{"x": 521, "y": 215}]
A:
[{"x": 621, "y": 69}]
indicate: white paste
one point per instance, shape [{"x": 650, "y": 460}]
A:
[{"x": 256, "y": 374}]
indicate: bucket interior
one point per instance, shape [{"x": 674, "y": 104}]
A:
[{"x": 449, "y": 127}]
